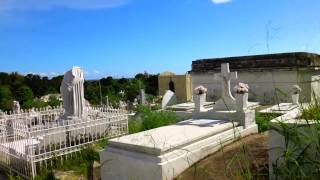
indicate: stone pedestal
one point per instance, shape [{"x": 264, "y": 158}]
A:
[
  {"x": 295, "y": 99},
  {"x": 199, "y": 101},
  {"x": 242, "y": 100}
]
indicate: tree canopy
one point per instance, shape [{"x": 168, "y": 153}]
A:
[{"x": 30, "y": 88}]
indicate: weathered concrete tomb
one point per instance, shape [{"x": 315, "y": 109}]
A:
[
  {"x": 179, "y": 84},
  {"x": 271, "y": 76}
]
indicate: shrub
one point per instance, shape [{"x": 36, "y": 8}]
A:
[
  {"x": 263, "y": 119},
  {"x": 146, "y": 119}
]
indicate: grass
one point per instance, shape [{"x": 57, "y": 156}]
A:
[
  {"x": 263, "y": 119},
  {"x": 300, "y": 158},
  {"x": 146, "y": 119},
  {"x": 79, "y": 162}
]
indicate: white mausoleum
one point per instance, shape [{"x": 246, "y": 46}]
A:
[{"x": 271, "y": 77}]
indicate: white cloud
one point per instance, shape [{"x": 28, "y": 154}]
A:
[
  {"x": 42, "y": 74},
  {"x": 54, "y": 73},
  {"x": 9, "y": 5},
  {"x": 220, "y": 1},
  {"x": 97, "y": 72}
]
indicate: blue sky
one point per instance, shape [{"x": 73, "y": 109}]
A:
[{"x": 123, "y": 37}]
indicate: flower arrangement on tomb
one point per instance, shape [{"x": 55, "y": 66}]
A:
[
  {"x": 296, "y": 89},
  {"x": 241, "y": 88},
  {"x": 200, "y": 90}
]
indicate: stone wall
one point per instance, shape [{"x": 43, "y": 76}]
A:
[
  {"x": 269, "y": 61},
  {"x": 266, "y": 87}
]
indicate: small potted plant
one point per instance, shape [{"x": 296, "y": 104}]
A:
[
  {"x": 242, "y": 90},
  {"x": 295, "y": 94},
  {"x": 200, "y": 97}
]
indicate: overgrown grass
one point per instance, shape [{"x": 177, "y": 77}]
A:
[
  {"x": 300, "y": 157},
  {"x": 311, "y": 113},
  {"x": 78, "y": 162},
  {"x": 263, "y": 119},
  {"x": 146, "y": 119}
]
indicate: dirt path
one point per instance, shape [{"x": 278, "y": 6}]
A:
[{"x": 244, "y": 159}]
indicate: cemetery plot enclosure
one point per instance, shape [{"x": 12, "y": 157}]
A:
[{"x": 30, "y": 139}]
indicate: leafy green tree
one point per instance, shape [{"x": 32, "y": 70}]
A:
[
  {"x": 36, "y": 103},
  {"x": 25, "y": 96},
  {"x": 5, "y": 98},
  {"x": 53, "y": 101},
  {"x": 132, "y": 89}
]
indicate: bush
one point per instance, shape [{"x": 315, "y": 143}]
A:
[
  {"x": 263, "y": 119},
  {"x": 146, "y": 119},
  {"x": 311, "y": 113}
]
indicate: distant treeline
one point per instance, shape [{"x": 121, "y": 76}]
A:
[{"x": 29, "y": 88}]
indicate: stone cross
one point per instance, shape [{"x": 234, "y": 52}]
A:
[{"x": 225, "y": 77}]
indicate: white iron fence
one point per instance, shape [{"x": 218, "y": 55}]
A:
[{"x": 29, "y": 139}]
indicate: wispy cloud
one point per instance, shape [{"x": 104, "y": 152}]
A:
[
  {"x": 9, "y": 5},
  {"x": 220, "y": 1},
  {"x": 54, "y": 73},
  {"x": 97, "y": 72}
]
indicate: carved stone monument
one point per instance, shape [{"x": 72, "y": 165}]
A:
[
  {"x": 227, "y": 101},
  {"x": 16, "y": 106},
  {"x": 72, "y": 92},
  {"x": 143, "y": 100}
]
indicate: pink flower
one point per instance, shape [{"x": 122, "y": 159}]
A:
[
  {"x": 241, "y": 88},
  {"x": 200, "y": 90}
]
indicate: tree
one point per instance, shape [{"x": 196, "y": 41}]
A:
[
  {"x": 25, "y": 96},
  {"x": 5, "y": 98},
  {"x": 132, "y": 89},
  {"x": 53, "y": 101}
]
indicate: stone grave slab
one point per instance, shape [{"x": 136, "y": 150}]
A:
[
  {"x": 280, "y": 108},
  {"x": 165, "y": 152},
  {"x": 189, "y": 106}
]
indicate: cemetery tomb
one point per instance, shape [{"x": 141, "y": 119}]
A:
[
  {"x": 165, "y": 152},
  {"x": 266, "y": 74}
]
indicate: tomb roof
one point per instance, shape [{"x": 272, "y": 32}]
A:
[
  {"x": 264, "y": 61},
  {"x": 167, "y": 73}
]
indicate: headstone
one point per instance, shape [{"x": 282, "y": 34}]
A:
[
  {"x": 72, "y": 92},
  {"x": 227, "y": 101},
  {"x": 168, "y": 99},
  {"x": 122, "y": 93},
  {"x": 123, "y": 104},
  {"x": 16, "y": 106},
  {"x": 135, "y": 102},
  {"x": 143, "y": 100}
]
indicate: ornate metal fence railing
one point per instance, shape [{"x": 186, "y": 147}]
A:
[{"x": 29, "y": 139}]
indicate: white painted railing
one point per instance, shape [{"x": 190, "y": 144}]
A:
[{"x": 30, "y": 138}]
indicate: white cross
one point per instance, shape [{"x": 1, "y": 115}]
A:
[{"x": 225, "y": 77}]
